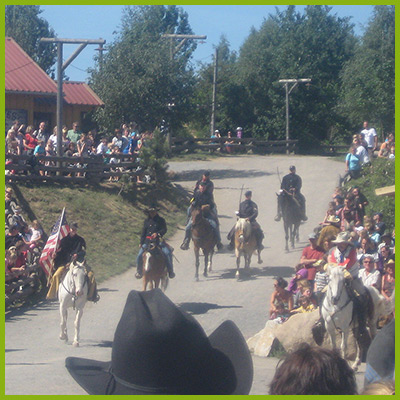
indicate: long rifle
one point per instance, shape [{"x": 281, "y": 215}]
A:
[{"x": 240, "y": 198}]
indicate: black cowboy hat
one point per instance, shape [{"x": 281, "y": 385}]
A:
[
  {"x": 152, "y": 208},
  {"x": 159, "y": 349}
]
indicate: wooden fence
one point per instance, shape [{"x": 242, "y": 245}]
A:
[
  {"x": 70, "y": 169},
  {"x": 179, "y": 145}
]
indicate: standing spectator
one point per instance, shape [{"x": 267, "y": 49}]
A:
[
  {"x": 11, "y": 143},
  {"x": 20, "y": 139},
  {"x": 310, "y": 255},
  {"x": 353, "y": 164},
  {"x": 30, "y": 142},
  {"x": 360, "y": 202},
  {"x": 384, "y": 255},
  {"x": 83, "y": 145},
  {"x": 65, "y": 140},
  {"x": 53, "y": 138},
  {"x": 41, "y": 134},
  {"x": 120, "y": 141},
  {"x": 370, "y": 136},
  {"x": 379, "y": 224},
  {"x": 74, "y": 134},
  {"x": 369, "y": 275},
  {"x": 40, "y": 150},
  {"x": 320, "y": 282}
]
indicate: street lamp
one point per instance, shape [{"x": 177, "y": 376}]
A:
[{"x": 295, "y": 82}]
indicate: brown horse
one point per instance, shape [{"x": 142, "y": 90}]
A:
[
  {"x": 154, "y": 268},
  {"x": 245, "y": 244},
  {"x": 204, "y": 238}
]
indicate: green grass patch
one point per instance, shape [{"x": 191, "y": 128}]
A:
[{"x": 110, "y": 219}]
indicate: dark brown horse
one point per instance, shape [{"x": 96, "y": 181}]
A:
[
  {"x": 204, "y": 238},
  {"x": 154, "y": 268},
  {"x": 245, "y": 244}
]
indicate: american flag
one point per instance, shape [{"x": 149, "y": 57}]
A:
[{"x": 60, "y": 230}]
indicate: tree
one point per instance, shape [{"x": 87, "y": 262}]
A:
[
  {"x": 368, "y": 89},
  {"x": 26, "y": 27},
  {"x": 138, "y": 79}
]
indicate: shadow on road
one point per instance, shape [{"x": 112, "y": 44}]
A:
[
  {"x": 201, "y": 308},
  {"x": 255, "y": 272},
  {"x": 219, "y": 174},
  {"x": 25, "y": 312}
]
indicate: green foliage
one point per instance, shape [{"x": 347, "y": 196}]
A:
[
  {"x": 153, "y": 157},
  {"x": 26, "y": 27},
  {"x": 369, "y": 78},
  {"x": 379, "y": 174},
  {"x": 142, "y": 72}
]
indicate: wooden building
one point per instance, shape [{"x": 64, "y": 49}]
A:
[{"x": 31, "y": 95}]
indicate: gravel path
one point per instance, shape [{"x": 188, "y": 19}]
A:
[{"x": 34, "y": 356}]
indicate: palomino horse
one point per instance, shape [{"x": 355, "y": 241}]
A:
[
  {"x": 154, "y": 268},
  {"x": 204, "y": 238},
  {"x": 291, "y": 215},
  {"x": 245, "y": 244},
  {"x": 337, "y": 310},
  {"x": 73, "y": 293}
]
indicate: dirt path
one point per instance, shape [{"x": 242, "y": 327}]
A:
[{"x": 34, "y": 358}]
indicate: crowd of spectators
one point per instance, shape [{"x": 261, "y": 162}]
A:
[{"x": 24, "y": 140}]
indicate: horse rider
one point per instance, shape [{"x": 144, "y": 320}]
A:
[
  {"x": 345, "y": 254},
  {"x": 72, "y": 248},
  {"x": 203, "y": 197},
  {"x": 248, "y": 209},
  {"x": 154, "y": 228},
  {"x": 291, "y": 185}
]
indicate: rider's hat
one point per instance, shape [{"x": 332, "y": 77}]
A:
[
  {"x": 343, "y": 237},
  {"x": 160, "y": 349},
  {"x": 206, "y": 173},
  {"x": 292, "y": 167},
  {"x": 152, "y": 208},
  {"x": 248, "y": 193}
]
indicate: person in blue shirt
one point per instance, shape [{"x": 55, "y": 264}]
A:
[{"x": 353, "y": 164}]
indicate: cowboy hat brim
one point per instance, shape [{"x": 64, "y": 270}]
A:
[{"x": 97, "y": 378}]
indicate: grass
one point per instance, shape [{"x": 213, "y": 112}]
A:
[{"x": 109, "y": 219}]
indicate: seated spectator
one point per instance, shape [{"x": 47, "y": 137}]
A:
[
  {"x": 359, "y": 201},
  {"x": 71, "y": 150},
  {"x": 373, "y": 233},
  {"x": 384, "y": 151},
  {"x": 65, "y": 140},
  {"x": 384, "y": 255},
  {"x": 53, "y": 138},
  {"x": 10, "y": 205},
  {"x": 83, "y": 145},
  {"x": 361, "y": 151},
  {"x": 379, "y": 224},
  {"x": 12, "y": 146},
  {"x": 120, "y": 141},
  {"x": 305, "y": 291},
  {"x": 299, "y": 279},
  {"x": 34, "y": 235},
  {"x": 11, "y": 257},
  {"x": 305, "y": 305},
  {"x": 228, "y": 143},
  {"x": 388, "y": 285},
  {"x": 18, "y": 219},
  {"x": 320, "y": 282},
  {"x": 339, "y": 203},
  {"x": 348, "y": 215},
  {"x": 13, "y": 236},
  {"x": 30, "y": 142},
  {"x": 387, "y": 240},
  {"x": 392, "y": 152},
  {"x": 281, "y": 302},
  {"x": 313, "y": 371},
  {"x": 380, "y": 387},
  {"x": 310, "y": 255},
  {"x": 367, "y": 247},
  {"x": 369, "y": 275}
]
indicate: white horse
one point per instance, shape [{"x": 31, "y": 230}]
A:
[
  {"x": 337, "y": 311},
  {"x": 73, "y": 293}
]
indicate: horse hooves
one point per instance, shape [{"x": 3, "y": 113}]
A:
[
  {"x": 75, "y": 344},
  {"x": 64, "y": 337},
  {"x": 260, "y": 261},
  {"x": 196, "y": 278},
  {"x": 237, "y": 275},
  {"x": 205, "y": 274}
]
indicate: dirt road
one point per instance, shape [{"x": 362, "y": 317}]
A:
[{"x": 34, "y": 357}]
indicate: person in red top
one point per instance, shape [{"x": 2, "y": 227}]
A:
[
  {"x": 311, "y": 254},
  {"x": 30, "y": 142}
]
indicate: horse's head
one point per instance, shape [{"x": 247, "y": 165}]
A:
[
  {"x": 336, "y": 282},
  {"x": 78, "y": 277},
  {"x": 197, "y": 215},
  {"x": 242, "y": 229}
]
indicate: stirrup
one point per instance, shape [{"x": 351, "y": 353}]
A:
[{"x": 185, "y": 245}]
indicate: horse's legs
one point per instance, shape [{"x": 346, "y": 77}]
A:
[
  {"x": 209, "y": 266},
  {"x": 205, "y": 262},
  {"x": 343, "y": 344},
  {"x": 77, "y": 324},
  {"x": 63, "y": 325},
  {"x": 357, "y": 360},
  {"x": 292, "y": 233},
  {"x": 332, "y": 333},
  {"x": 259, "y": 257},
  {"x": 237, "y": 275},
  {"x": 286, "y": 228}
]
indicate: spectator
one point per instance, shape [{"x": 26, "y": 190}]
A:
[
  {"x": 281, "y": 302},
  {"x": 12, "y": 146},
  {"x": 367, "y": 247},
  {"x": 361, "y": 153},
  {"x": 83, "y": 145},
  {"x": 18, "y": 219},
  {"x": 35, "y": 235},
  {"x": 310, "y": 255},
  {"x": 65, "y": 140},
  {"x": 348, "y": 215},
  {"x": 387, "y": 240},
  {"x": 305, "y": 291},
  {"x": 379, "y": 224},
  {"x": 30, "y": 142},
  {"x": 386, "y": 145},
  {"x": 229, "y": 143},
  {"x": 10, "y": 205},
  {"x": 74, "y": 134},
  {"x": 20, "y": 139},
  {"x": 353, "y": 164},
  {"x": 339, "y": 203},
  {"x": 388, "y": 285},
  {"x": 239, "y": 132},
  {"x": 313, "y": 371},
  {"x": 71, "y": 150},
  {"x": 384, "y": 255},
  {"x": 40, "y": 150},
  {"x": 370, "y": 136},
  {"x": 369, "y": 275},
  {"x": 373, "y": 233},
  {"x": 40, "y": 133},
  {"x": 392, "y": 152},
  {"x": 305, "y": 305},
  {"x": 360, "y": 202},
  {"x": 120, "y": 141},
  {"x": 320, "y": 282},
  {"x": 380, "y": 387},
  {"x": 299, "y": 279},
  {"x": 102, "y": 147}
]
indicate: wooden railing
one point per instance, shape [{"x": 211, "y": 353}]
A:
[
  {"x": 239, "y": 145},
  {"x": 69, "y": 169}
]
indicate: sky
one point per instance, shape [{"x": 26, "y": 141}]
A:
[{"x": 233, "y": 21}]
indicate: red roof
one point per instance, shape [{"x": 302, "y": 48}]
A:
[
  {"x": 22, "y": 74},
  {"x": 80, "y": 93}
]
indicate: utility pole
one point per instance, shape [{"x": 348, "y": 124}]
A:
[
  {"x": 173, "y": 51},
  {"x": 214, "y": 94},
  {"x": 295, "y": 82},
  {"x": 60, "y": 69}
]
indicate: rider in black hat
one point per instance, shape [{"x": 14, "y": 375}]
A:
[
  {"x": 154, "y": 228},
  {"x": 291, "y": 185},
  {"x": 248, "y": 209}
]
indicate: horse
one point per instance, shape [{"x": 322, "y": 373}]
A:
[
  {"x": 203, "y": 237},
  {"x": 291, "y": 215},
  {"x": 337, "y": 311},
  {"x": 73, "y": 293},
  {"x": 245, "y": 244},
  {"x": 154, "y": 268}
]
